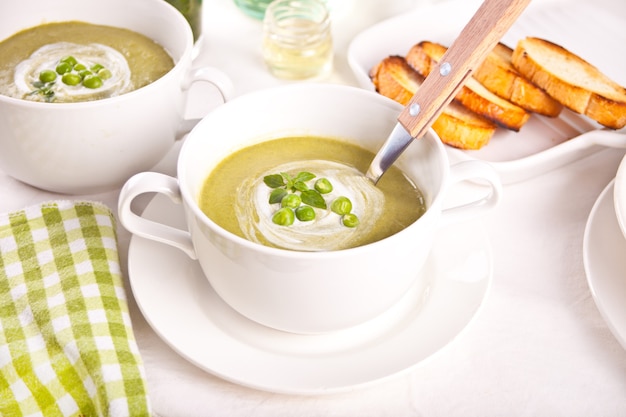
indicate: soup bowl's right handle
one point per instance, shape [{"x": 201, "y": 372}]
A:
[
  {"x": 153, "y": 182},
  {"x": 480, "y": 176},
  {"x": 213, "y": 76}
]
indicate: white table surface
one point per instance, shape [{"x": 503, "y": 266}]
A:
[{"x": 538, "y": 347}]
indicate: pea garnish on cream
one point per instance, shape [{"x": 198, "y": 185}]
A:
[
  {"x": 352, "y": 206},
  {"x": 297, "y": 198},
  {"x": 65, "y": 71}
]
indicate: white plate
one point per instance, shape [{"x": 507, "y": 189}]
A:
[
  {"x": 593, "y": 30},
  {"x": 185, "y": 312},
  {"x": 619, "y": 196},
  {"x": 604, "y": 248}
]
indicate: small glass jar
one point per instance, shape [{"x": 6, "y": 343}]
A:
[{"x": 297, "y": 40}]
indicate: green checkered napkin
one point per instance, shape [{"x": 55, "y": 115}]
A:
[{"x": 66, "y": 343}]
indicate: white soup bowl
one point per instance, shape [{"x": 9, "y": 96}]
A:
[
  {"x": 332, "y": 290},
  {"x": 86, "y": 147}
]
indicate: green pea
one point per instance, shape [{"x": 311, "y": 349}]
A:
[
  {"x": 292, "y": 201},
  {"x": 47, "y": 76},
  {"x": 71, "y": 79},
  {"x": 63, "y": 68},
  {"x": 341, "y": 205},
  {"x": 84, "y": 73},
  {"x": 70, "y": 60},
  {"x": 104, "y": 73},
  {"x": 305, "y": 213},
  {"x": 79, "y": 67},
  {"x": 323, "y": 186},
  {"x": 284, "y": 217},
  {"x": 96, "y": 67},
  {"x": 350, "y": 220},
  {"x": 92, "y": 81}
]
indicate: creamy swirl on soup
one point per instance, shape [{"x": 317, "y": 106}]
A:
[
  {"x": 326, "y": 231},
  {"x": 93, "y": 58},
  {"x": 77, "y": 61}
]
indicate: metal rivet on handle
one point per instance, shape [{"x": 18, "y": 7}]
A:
[
  {"x": 414, "y": 109},
  {"x": 445, "y": 69}
]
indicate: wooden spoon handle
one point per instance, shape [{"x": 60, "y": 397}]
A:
[{"x": 474, "y": 43}]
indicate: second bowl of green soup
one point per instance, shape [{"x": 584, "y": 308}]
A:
[{"x": 92, "y": 94}]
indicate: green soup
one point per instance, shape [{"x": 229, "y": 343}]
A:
[
  {"x": 33, "y": 67},
  {"x": 236, "y": 197}
]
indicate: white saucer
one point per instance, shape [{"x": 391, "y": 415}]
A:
[
  {"x": 185, "y": 312},
  {"x": 619, "y": 195},
  {"x": 604, "y": 256}
]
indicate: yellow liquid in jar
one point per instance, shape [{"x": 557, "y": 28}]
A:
[{"x": 297, "y": 50}]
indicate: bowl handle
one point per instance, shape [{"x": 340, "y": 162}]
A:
[
  {"x": 218, "y": 79},
  {"x": 481, "y": 175},
  {"x": 153, "y": 182}
]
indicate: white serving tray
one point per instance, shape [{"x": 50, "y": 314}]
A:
[{"x": 596, "y": 31}]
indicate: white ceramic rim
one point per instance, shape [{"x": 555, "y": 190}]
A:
[
  {"x": 603, "y": 260},
  {"x": 619, "y": 195}
]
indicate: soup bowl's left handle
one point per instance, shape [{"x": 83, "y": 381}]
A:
[
  {"x": 213, "y": 76},
  {"x": 153, "y": 182}
]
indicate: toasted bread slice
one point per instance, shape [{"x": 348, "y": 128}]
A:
[
  {"x": 499, "y": 76},
  {"x": 571, "y": 80},
  {"x": 424, "y": 56},
  {"x": 456, "y": 125}
]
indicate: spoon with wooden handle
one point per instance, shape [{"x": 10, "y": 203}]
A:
[{"x": 485, "y": 29}]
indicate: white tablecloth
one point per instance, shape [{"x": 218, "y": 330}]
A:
[{"x": 538, "y": 347}]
